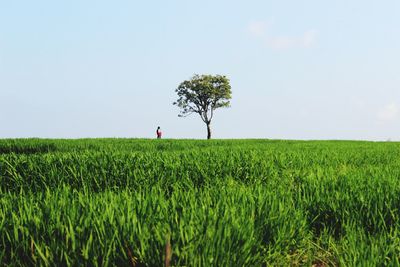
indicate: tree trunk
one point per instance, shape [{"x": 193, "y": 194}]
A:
[{"x": 208, "y": 131}]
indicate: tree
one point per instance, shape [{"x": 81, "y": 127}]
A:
[{"x": 203, "y": 94}]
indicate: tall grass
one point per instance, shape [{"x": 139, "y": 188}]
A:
[{"x": 217, "y": 203}]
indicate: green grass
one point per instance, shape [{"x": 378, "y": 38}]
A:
[{"x": 110, "y": 202}]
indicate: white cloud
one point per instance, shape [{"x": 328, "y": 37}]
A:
[
  {"x": 280, "y": 42},
  {"x": 259, "y": 29},
  {"x": 388, "y": 112},
  {"x": 306, "y": 40},
  {"x": 309, "y": 38}
]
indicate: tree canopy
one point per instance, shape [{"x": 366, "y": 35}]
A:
[{"x": 203, "y": 94}]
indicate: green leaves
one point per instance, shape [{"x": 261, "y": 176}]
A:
[
  {"x": 203, "y": 94},
  {"x": 219, "y": 202}
]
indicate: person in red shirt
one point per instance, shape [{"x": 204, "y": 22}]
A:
[{"x": 158, "y": 132}]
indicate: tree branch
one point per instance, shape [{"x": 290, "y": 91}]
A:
[{"x": 212, "y": 113}]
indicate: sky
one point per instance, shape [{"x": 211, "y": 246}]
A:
[{"x": 307, "y": 69}]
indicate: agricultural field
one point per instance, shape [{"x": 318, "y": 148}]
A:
[{"x": 141, "y": 202}]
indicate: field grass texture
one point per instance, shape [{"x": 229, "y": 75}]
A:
[{"x": 130, "y": 202}]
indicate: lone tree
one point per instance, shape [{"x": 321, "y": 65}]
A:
[{"x": 203, "y": 94}]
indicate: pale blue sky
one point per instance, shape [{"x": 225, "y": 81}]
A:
[{"x": 306, "y": 69}]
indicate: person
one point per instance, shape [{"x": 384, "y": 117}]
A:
[{"x": 158, "y": 132}]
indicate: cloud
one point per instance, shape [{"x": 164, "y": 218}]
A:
[
  {"x": 360, "y": 104},
  {"x": 280, "y": 42},
  {"x": 309, "y": 38},
  {"x": 306, "y": 40},
  {"x": 388, "y": 112},
  {"x": 259, "y": 29}
]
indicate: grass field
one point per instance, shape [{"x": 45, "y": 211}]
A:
[{"x": 121, "y": 202}]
